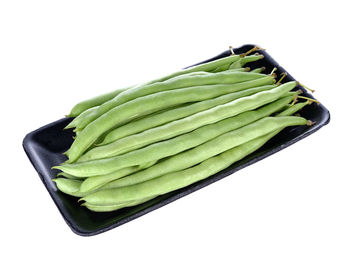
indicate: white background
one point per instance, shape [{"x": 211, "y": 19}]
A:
[{"x": 291, "y": 208}]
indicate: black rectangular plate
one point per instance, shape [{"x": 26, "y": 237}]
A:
[{"x": 45, "y": 146}]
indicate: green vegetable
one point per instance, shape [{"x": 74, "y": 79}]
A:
[
  {"x": 134, "y": 144},
  {"x": 186, "y": 141},
  {"x": 134, "y": 141},
  {"x": 176, "y": 180},
  {"x": 145, "y": 104},
  {"x": 95, "y": 101},
  {"x": 108, "y": 165}
]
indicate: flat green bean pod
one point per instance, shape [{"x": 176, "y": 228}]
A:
[
  {"x": 68, "y": 176},
  {"x": 109, "y": 208},
  {"x": 155, "y": 120},
  {"x": 186, "y": 141},
  {"x": 160, "y": 133},
  {"x": 258, "y": 70},
  {"x": 93, "y": 102},
  {"x": 98, "y": 100},
  {"x": 292, "y": 109},
  {"x": 188, "y": 124},
  {"x": 206, "y": 67},
  {"x": 83, "y": 115},
  {"x": 210, "y": 148},
  {"x": 140, "y": 106},
  {"x": 176, "y": 180},
  {"x": 73, "y": 187},
  {"x": 157, "y": 170},
  {"x": 155, "y": 134},
  {"x": 174, "y": 83},
  {"x": 80, "y": 120},
  {"x": 96, "y": 182},
  {"x": 107, "y": 165},
  {"x": 205, "y": 117},
  {"x": 244, "y": 60},
  {"x": 69, "y": 186}
]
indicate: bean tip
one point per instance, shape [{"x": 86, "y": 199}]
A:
[
  {"x": 310, "y": 123},
  {"x": 309, "y": 99},
  {"x": 231, "y": 49},
  {"x": 309, "y": 89},
  {"x": 255, "y": 48},
  {"x": 273, "y": 71},
  {"x": 260, "y": 55}
]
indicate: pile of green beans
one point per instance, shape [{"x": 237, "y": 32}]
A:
[{"x": 136, "y": 143}]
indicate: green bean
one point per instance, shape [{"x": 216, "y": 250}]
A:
[
  {"x": 176, "y": 180},
  {"x": 107, "y": 165},
  {"x": 78, "y": 187},
  {"x": 80, "y": 120},
  {"x": 187, "y": 124},
  {"x": 68, "y": 176},
  {"x": 148, "y": 164},
  {"x": 174, "y": 83},
  {"x": 242, "y": 69},
  {"x": 189, "y": 140},
  {"x": 69, "y": 186},
  {"x": 206, "y": 117},
  {"x": 90, "y": 114},
  {"x": 251, "y": 58},
  {"x": 86, "y": 185},
  {"x": 73, "y": 187},
  {"x": 95, "y": 182},
  {"x": 258, "y": 70},
  {"x": 154, "y": 172},
  {"x": 109, "y": 208},
  {"x": 222, "y": 68},
  {"x": 226, "y": 68},
  {"x": 183, "y": 160},
  {"x": 93, "y": 102},
  {"x": 155, "y": 135},
  {"x": 208, "y": 66},
  {"x": 83, "y": 115},
  {"x": 244, "y": 60},
  {"x": 141, "y": 106},
  {"x": 292, "y": 109},
  {"x": 239, "y": 63},
  {"x": 235, "y": 65},
  {"x": 155, "y": 120},
  {"x": 102, "y": 136}
]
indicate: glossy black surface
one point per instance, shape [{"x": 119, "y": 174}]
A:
[{"x": 45, "y": 146}]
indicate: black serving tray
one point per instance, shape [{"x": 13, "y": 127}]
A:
[{"x": 45, "y": 146}]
